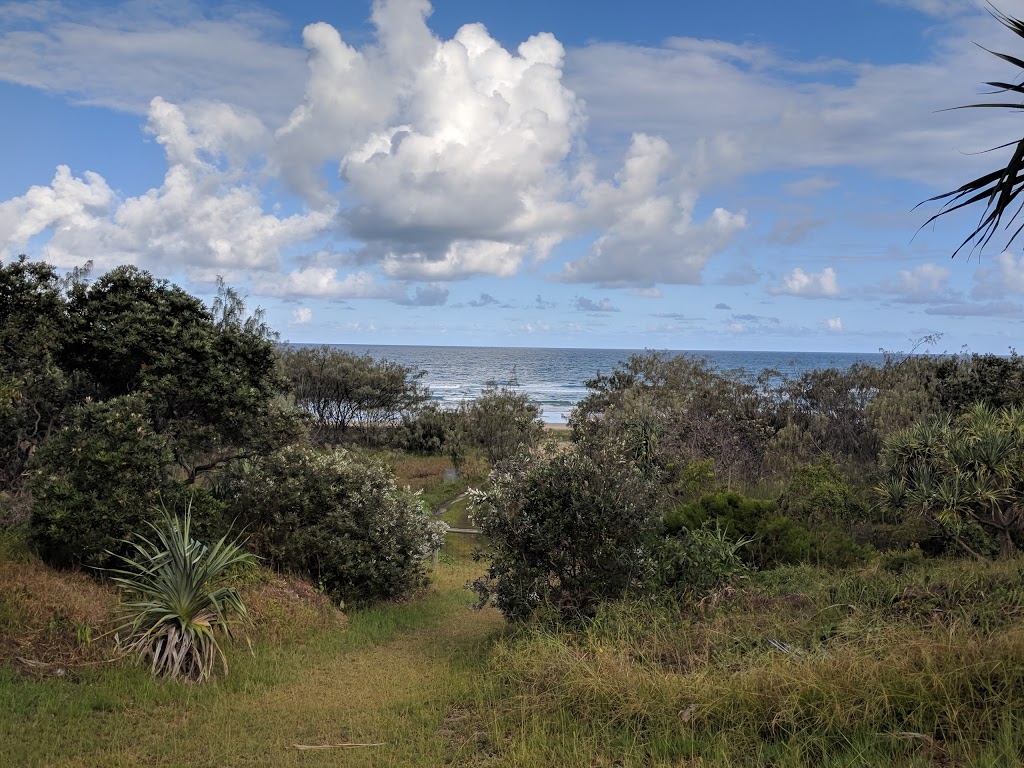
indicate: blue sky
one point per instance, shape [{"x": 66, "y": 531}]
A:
[{"x": 734, "y": 175}]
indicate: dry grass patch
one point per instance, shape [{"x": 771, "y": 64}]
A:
[
  {"x": 51, "y": 619},
  {"x": 284, "y": 607}
]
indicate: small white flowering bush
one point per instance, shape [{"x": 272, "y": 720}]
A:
[{"x": 337, "y": 518}]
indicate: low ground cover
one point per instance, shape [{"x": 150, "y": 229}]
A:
[{"x": 905, "y": 661}]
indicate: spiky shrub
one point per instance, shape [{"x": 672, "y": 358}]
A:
[
  {"x": 961, "y": 475},
  {"x": 177, "y": 600}
]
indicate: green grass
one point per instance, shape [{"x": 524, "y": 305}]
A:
[
  {"x": 797, "y": 667},
  {"x": 904, "y": 662},
  {"x": 392, "y": 676}
]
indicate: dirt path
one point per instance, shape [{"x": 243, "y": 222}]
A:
[{"x": 411, "y": 693}]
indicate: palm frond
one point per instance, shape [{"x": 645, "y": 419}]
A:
[{"x": 997, "y": 189}]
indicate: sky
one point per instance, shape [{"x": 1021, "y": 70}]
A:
[{"x": 738, "y": 175}]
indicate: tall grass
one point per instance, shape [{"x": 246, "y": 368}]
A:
[{"x": 872, "y": 667}]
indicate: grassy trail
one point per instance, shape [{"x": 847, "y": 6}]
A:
[{"x": 399, "y": 675}]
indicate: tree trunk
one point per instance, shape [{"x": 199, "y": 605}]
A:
[{"x": 1007, "y": 548}]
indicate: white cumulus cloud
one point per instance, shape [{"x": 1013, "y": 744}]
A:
[
  {"x": 200, "y": 217},
  {"x": 808, "y": 285}
]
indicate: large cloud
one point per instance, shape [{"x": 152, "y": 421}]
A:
[
  {"x": 201, "y": 217},
  {"x": 454, "y": 158},
  {"x": 650, "y": 235}
]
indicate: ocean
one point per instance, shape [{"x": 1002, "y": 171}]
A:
[{"x": 556, "y": 379}]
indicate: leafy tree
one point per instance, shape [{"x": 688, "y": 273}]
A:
[
  {"x": 997, "y": 189},
  {"x": 567, "y": 532},
  {"x": 211, "y": 383},
  {"x": 338, "y": 519},
  {"x": 960, "y": 475},
  {"x": 339, "y": 389},
  {"x": 34, "y": 388},
  {"x": 501, "y": 422}
]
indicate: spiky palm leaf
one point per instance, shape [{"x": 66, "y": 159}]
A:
[
  {"x": 998, "y": 189},
  {"x": 177, "y": 601}
]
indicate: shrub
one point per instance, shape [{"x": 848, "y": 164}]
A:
[
  {"x": 819, "y": 494},
  {"x": 340, "y": 521},
  {"x": 177, "y": 599},
  {"x": 427, "y": 430},
  {"x": 567, "y": 531},
  {"x": 962, "y": 476},
  {"x": 737, "y": 515},
  {"x": 699, "y": 561},
  {"x": 501, "y": 422},
  {"x": 780, "y": 541},
  {"x": 771, "y": 539},
  {"x": 95, "y": 481}
]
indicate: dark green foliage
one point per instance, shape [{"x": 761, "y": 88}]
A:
[
  {"x": 695, "y": 562},
  {"x": 568, "y": 531},
  {"x": 124, "y": 387},
  {"x": 96, "y": 481},
  {"x": 34, "y": 389},
  {"x": 965, "y": 380},
  {"x": 781, "y": 541},
  {"x": 429, "y": 429},
  {"x": 962, "y": 476},
  {"x": 341, "y": 390},
  {"x": 737, "y": 515},
  {"x": 772, "y": 538},
  {"x": 500, "y": 422},
  {"x": 818, "y": 494},
  {"x": 335, "y": 518},
  {"x": 211, "y": 383}
]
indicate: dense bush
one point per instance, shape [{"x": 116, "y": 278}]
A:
[
  {"x": 208, "y": 374},
  {"x": 428, "y": 429},
  {"x": 337, "y": 519},
  {"x": 99, "y": 480},
  {"x": 95, "y": 482},
  {"x": 737, "y": 515},
  {"x": 500, "y": 422},
  {"x": 771, "y": 538},
  {"x": 818, "y": 494},
  {"x": 695, "y": 562},
  {"x": 567, "y": 532},
  {"x": 962, "y": 476}
]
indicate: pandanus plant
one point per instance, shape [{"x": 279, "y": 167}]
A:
[
  {"x": 996, "y": 191},
  {"x": 956, "y": 471},
  {"x": 177, "y": 601}
]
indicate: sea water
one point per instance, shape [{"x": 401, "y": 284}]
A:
[{"x": 556, "y": 379}]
